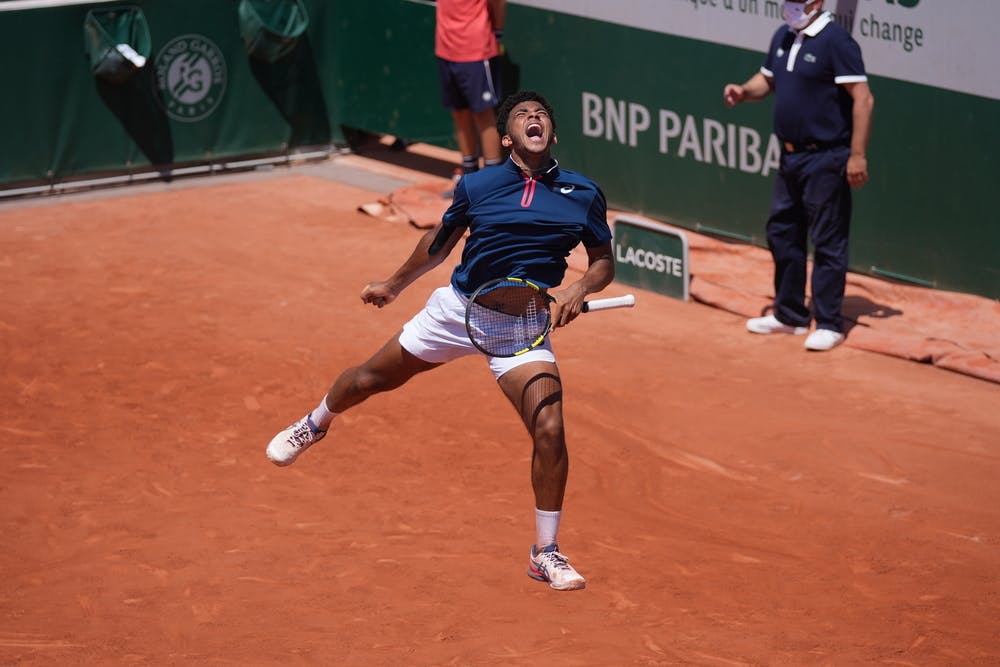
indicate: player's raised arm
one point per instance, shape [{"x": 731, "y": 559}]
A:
[{"x": 420, "y": 261}]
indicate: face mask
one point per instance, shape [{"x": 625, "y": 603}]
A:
[{"x": 795, "y": 15}]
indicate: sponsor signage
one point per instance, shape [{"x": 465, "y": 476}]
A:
[
  {"x": 917, "y": 41},
  {"x": 652, "y": 256}
]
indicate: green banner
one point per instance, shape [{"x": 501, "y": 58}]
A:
[{"x": 200, "y": 96}]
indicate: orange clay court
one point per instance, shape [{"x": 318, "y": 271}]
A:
[{"x": 733, "y": 500}]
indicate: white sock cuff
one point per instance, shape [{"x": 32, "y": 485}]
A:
[
  {"x": 322, "y": 416},
  {"x": 546, "y": 526}
]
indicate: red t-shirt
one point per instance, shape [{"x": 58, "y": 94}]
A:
[{"x": 464, "y": 32}]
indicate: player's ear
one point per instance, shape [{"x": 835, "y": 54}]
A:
[
  {"x": 506, "y": 141},
  {"x": 555, "y": 139}
]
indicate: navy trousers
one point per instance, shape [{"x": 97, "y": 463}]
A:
[{"x": 811, "y": 201}]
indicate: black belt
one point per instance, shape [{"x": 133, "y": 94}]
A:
[{"x": 811, "y": 147}]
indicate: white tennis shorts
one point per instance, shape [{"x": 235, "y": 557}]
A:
[{"x": 437, "y": 334}]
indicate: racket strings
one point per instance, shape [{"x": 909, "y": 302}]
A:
[{"x": 508, "y": 320}]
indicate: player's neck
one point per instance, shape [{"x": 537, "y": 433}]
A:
[{"x": 533, "y": 165}]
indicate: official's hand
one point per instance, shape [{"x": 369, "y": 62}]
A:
[
  {"x": 857, "y": 170},
  {"x": 733, "y": 94}
]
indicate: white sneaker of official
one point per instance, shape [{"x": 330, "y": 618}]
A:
[
  {"x": 770, "y": 324},
  {"x": 822, "y": 340}
]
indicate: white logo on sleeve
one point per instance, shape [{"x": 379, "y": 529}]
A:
[{"x": 566, "y": 189}]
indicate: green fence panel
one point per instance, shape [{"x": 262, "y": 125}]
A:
[
  {"x": 386, "y": 75},
  {"x": 50, "y": 109},
  {"x": 82, "y": 107}
]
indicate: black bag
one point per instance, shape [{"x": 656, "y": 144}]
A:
[
  {"x": 117, "y": 41},
  {"x": 271, "y": 28}
]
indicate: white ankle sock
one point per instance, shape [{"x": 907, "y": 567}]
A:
[
  {"x": 546, "y": 527},
  {"x": 321, "y": 417}
]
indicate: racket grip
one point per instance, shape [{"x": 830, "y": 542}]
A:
[{"x": 626, "y": 301}]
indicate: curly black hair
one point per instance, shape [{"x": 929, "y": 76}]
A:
[{"x": 513, "y": 100}]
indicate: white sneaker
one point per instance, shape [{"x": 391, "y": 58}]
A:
[
  {"x": 551, "y": 566},
  {"x": 770, "y": 325},
  {"x": 285, "y": 447},
  {"x": 824, "y": 339}
]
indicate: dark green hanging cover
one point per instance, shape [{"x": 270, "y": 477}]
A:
[
  {"x": 117, "y": 42},
  {"x": 271, "y": 28}
]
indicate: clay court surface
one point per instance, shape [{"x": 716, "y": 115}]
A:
[{"x": 733, "y": 500}]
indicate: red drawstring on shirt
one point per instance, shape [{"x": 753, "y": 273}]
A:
[{"x": 529, "y": 191}]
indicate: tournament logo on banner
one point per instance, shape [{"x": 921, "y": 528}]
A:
[{"x": 191, "y": 76}]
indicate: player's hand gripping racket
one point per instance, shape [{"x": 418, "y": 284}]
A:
[{"x": 509, "y": 316}]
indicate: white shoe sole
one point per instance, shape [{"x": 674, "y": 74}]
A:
[
  {"x": 770, "y": 325},
  {"x": 569, "y": 585},
  {"x": 280, "y": 453},
  {"x": 825, "y": 345}
]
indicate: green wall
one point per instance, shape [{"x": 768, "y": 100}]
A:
[{"x": 65, "y": 122}]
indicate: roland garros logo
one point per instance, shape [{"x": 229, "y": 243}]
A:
[{"x": 191, "y": 76}]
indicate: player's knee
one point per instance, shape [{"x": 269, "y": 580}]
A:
[
  {"x": 549, "y": 436},
  {"x": 367, "y": 382}
]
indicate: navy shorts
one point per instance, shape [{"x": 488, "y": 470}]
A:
[{"x": 474, "y": 86}]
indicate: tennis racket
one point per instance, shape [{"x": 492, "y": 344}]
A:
[{"x": 509, "y": 316}]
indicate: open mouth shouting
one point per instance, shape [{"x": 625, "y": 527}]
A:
[
  {"x": 537, "y": 134},
  {"x": 530, "y": 131}
]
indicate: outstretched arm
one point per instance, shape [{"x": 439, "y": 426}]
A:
[
  {"x": 599, "y": 274},
  {"x": 420, "y": 261},
  {"x": 755, "y": 89}
]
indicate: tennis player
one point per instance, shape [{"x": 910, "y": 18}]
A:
[{"x": 523, "y": 217}]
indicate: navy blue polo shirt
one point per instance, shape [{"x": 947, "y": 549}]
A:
[
  {"x": 524, "y": 227},
  {"x": 807, "y": 68}
]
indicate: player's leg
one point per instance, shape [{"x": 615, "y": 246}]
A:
[
  {"x": 535, "y": 391},
  {"x": 435, "y": 335},
  {"x": 387, "y": 369}
]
